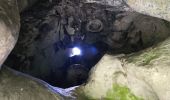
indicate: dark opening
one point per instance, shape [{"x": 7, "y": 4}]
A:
[
  {"x": 60, "y": 41},
  {"x": 45, "y": 48}
]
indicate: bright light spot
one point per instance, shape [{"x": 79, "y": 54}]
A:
[{"x": 75, "y": 52}]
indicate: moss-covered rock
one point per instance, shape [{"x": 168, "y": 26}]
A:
[
  {"x": 112, "y": 74},
  {"x": 144, "y": 74},
  {"x": 117, "y": 92}
]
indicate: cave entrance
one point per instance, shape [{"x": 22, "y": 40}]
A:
[
  {"x": 60, "y": 42},
  {"x": 57, "y": 44}
]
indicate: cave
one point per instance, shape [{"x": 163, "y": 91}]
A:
[
  {"x": 104, "y": 47},
  {"x": 52, "y": 31}
]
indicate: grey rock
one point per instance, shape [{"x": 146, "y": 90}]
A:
[
  {"x": 9, "y": 27},
  {"x": 24, "y": 4},
  {"x": 17, "y": 86}
]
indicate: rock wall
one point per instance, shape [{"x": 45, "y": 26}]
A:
[
  {"x": 17, "y": 86},
  {"x": 24, "y": 4},
  {"x": 10, "y": 24},
  {"x": 42, "y": 31},
  {"x": 157, "y": 8},
  {"x": 140, "y": 75},
  {"x": 9, "y": 27},
  {"x": 145, "y": 74},
  {"x": 112, "y": 5}
]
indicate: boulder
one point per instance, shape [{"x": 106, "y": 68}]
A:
[
  {"x": 10, "y": 24},
  {"x": 9, "y": 27},
  {"x": 143, "y": 75},
  {"x": 17, "y": 86},
  {"x": 131, "y": 34},
  {"x": 156, "y": 8}
]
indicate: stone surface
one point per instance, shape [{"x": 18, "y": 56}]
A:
[
  {"x": 10, "y": 24},
  {"x": 17, "y": 86},
  {"x": 156, "y": 8},
  {"x": 24, "y": 4},
  {"x": 9, "y": 27},
  {"x": 145, "y": 73},
  {"x": 109, "y": 71},
  {"x": 112, "y": 5},
  {"x": 153, "y": 30},
  {"x": 131, "y": 34}
]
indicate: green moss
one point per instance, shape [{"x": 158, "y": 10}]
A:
[
  {"x": 145, "y": 57},
  {"x": 116, "y": 93},
  {"x": 148, "y": 57},
  {"x": 120, "y": 93}
]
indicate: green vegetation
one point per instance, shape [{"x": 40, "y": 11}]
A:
[
  {"x": 145, "y": 57},
  {"x": 116, "y": 93},
  {"x": 120, "y": 93}
]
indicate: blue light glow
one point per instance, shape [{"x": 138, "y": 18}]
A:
[{"x": 75, "y": 52}]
